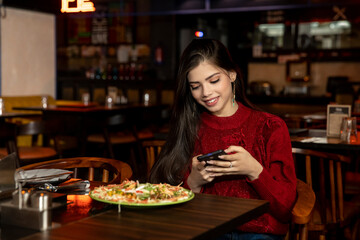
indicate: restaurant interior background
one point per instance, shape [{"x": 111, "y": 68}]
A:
[
  {"x": 296, "y": 57},
  {"x": 287, "y": 50}
]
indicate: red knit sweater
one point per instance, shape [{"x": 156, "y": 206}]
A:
[{"x": 266, "y": 138}]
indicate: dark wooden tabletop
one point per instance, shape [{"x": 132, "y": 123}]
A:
[
  {"x": 316, "y": 139},
  {"x": 18, "y": 114},
  {"x": 80, "y": 120},
  {"x": 81, "y": 108},
  {"x": 204, "y": 217}
]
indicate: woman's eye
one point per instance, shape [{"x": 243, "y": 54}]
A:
[
  {"x": 215, "y": 81},
  {"x": 194, "y": 87}
]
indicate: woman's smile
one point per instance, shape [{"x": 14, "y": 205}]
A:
[{"x": 212, "y": 102}]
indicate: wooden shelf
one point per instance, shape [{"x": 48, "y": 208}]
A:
[{"x": 81, "y": 84}]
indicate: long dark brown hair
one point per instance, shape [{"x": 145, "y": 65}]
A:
[{"x": 176, "y": 154}]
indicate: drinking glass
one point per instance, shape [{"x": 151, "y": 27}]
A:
[
  {"x": 109, "y": 102},
  {"x": 85, "y": 98},
  {"x": 348, "y": 130},
  {"x": 146, "y": 99},
  {"x": 2, "y": 106},
  {"x": 44, "y": 101}
]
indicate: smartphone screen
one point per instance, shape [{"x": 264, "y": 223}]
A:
[{"x": 210, "y": 156}]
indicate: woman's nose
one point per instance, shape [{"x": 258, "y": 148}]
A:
[{"x": 207, "y": 90}]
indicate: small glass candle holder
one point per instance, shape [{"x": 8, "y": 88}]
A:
[
  {"x": 109, "y": 102},
  {"x": 2, "y": 106},
  {"x": 348, "y": 130},
  {"x": 146, "y": 99},
  {"x": 85, "y": 98},
  {"x": 44, "y": 102}
]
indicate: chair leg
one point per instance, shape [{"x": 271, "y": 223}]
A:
[
  {"x": 356, "y": 231},
  {"x": 108, "y": 144},
  {"x": 133, "y": 161},
  {"x": 303, "y": 232}
]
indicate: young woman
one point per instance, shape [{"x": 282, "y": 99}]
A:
[{"x": 211, "y": 112}]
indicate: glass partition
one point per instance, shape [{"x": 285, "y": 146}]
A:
[{"x": 308, "y": 35}]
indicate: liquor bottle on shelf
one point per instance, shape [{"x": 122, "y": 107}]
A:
[
  {"x": 103, "y": 74},
  {"x": 109, "y": 72},
  {"x": 127, "y": 71},
  {"x": 132, "y": 72},
  {"x": 98, "y": 73},
  {"x": 159, "y": 55},
  {"x": 121, "y": 72},
  {"x": 140, "y": 72},
  {"x": 115, "y": 73}
]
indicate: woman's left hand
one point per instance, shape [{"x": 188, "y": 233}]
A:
[{"x": 238, "y": 161}]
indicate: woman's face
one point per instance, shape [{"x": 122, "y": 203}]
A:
[{"x": 211, "y": 87}]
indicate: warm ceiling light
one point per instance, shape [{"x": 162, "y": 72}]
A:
[{"x": 81, "y": 6}]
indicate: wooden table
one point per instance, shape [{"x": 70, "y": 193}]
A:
[
  {"x": 8, "y": 115},
  {"x": 204, "y": 217},
  {"x": 316, "y": 139},
  {"x": 78, "y": 119},
  {"x": 91, "y": 110}
]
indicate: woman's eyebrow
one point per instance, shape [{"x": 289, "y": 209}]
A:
[
  {"x": 212, "y": 75},
  {"x": 207, "y": 78}
]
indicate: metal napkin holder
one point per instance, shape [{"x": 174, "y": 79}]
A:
[{"x": 20, "y": 212}]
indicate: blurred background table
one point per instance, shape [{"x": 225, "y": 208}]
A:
[
  {"x": 10, "y": 115},
  {"x": 94, "y": 130},
  {"x": 316, "y": 139}
]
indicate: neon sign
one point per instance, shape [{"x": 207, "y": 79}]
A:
[{"x": 81, "y": 6}]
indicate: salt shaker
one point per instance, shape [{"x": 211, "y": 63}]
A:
[
  {"x": 21, "y": 200},
  {"x": 41, "y": 200}
]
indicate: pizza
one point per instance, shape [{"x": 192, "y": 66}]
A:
[{"x": 133, "y": 192}]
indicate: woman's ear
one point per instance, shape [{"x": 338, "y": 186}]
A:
[{"x": 232, "y": 76}]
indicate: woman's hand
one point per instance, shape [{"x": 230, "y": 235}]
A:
[
  {"x": 198, "y": 175},
  {"x": 238, "y": 161}
]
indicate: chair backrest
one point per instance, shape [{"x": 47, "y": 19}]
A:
[
  {"x": 153, "y": 149},
  {"x": 49, "y": 129},
  {"x": 323, "y": 173},
  {"x": 8, "y": 133},
  {"x": 302, "y": 210},
  {"x": 111, "y": 168}
]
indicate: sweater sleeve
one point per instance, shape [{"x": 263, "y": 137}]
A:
[{"x": 277, "y": 181}]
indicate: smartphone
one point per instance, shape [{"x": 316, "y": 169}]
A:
[{"x": 211, "y": 156}]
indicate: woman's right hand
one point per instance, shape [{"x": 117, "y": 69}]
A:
[{"x": 198, "y": 175}]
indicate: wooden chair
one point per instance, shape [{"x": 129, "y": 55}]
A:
[
  {"x": 119, "y": 130},
  {"x": 113, "y": 171},
  {"x": 152, "y": 149},
  {"x": 302, "y": 211},
  {"x": 323, "y": 172},
  {"x": 8, "y": 132},
  {"x": 35, "y": 152}
]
